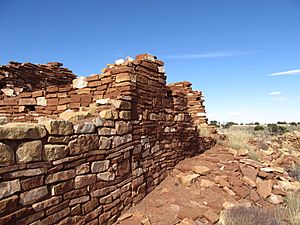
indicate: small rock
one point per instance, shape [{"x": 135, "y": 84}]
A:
[
  {"x": 264, "y": 188},
  {"x": 146, "y": 221},
  {"x": 187, "y": 221},
  {"x": 211, "y": 216},
  {"x": 187, "y": 180},
  {"x": 125, "y": 216},
  {"x": 202, "y": 170},
  {"x": 206, "y": 183},
  {"x": 275, "y": 199}
]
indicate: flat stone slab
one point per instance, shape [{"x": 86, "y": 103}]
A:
[{"x": 22, "y": 131}]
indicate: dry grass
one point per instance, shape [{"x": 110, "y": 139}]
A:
[
  {"x": 248, "y": 216},
  {"x": 293, "y": 208},
  {"x": 238, "y": 138}
]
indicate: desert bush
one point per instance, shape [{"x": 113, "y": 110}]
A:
[
  {"x": 275, "y": 129},
  {"x": 258, "y": 128},
  {"x": 293, "y": 123},
  {"x": 248, "y": 216},
  {"x": 229, "y": 124},
  {"x": 293, "y": 208},
  {"x": 294, "y": 172}
]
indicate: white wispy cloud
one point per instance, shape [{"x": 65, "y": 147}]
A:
[
  {"x": 275, "y": 93},
  {"x": 298, "y": 97},
  {"x": 286, "y": 73},
  {"x": 280, "y": 99},
  {"x": 207, "y": 55}
]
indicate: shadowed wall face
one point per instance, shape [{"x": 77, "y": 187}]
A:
[{"x": 104, "y": 143}]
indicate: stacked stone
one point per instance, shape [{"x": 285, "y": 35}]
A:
[
  {"x": 88, "y": 170},
  {"x": 18, "y": 77}
]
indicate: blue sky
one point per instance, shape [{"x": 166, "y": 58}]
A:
[{"x": 226, "y": 48}]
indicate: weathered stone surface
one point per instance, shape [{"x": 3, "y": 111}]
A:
[
  {"x": 211, "y": 216},
  {"x": 58, "y": 140},
  {"x": 80, "y": 82},
  {"x": 106, "y": 176},
  {"x": 79, "y": 200},
  {"x": 82, "y": 169},
  {"x": 29, "y": 152},
  {"x": 264, "y": 188},
  {"x": 104, "y": 143},
  {"x": 29, "y": 197},
  {"x": 6, "y": 154},
  {"x": 84, "y": 128},
  {"x": 202, "y": 170},
  {"x": 41, "y": 101},
  {"x": 100, "y": 166},
  {"x": 84, "y": 143},
  {"x": 84, "y": 180},
  {"x": 58, "y": 126},
  {"x": 119, "y": 140},
  {"x": 8, "y": 203},
  {"x": 22, "y": 131},
  {"x": 9, "y": 187},
  {"x": 187, "y": 180},
  {"x": 107, "y": 114},
  {"x": 122, "y": 127},
  {"x": 46, "y": 203},
  {"x": 54, "y": 152},
  {"x": 60, "y": 176},
  {"x": 125, "y": 115},
  {"x": 98, "y": 122}
]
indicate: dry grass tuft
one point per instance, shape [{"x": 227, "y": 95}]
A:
[
  {"x": 248, "y": 216},
  {"x": 293, "y": 208}
]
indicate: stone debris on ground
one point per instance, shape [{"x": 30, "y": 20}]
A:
[{"x": 199, "y": 189}]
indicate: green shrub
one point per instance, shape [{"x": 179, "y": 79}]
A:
[
  {"x": 275, "y": 129},
  {"x": 258, "y": 128}
]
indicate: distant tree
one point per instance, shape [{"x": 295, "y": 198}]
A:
[
  {"x": 241, "y": 124},
  {"x": 229, "y": 124},
  {"x": 256, "y": 123},
  {"x": 281, "y": 122},
  {"x": 215, "y": 123},
  {"x": 293, "y": 123}
]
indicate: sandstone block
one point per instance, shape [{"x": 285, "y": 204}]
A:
[
  {"x": 9, "y": 187},
  {"x": 104, "y": 143},
  {"x": 32, "y": 196},
  {"x": 84, "y": 143},
  {"x": 122, "y": 127},
  {"x": 54, "y": 152},
  {"x": 121, "y": 104},
  {"x": 119, "y": 140},
  {"x": 58, "y": 127},
  {"x": 264, "y": 188},
  {"x": 82, "y": 169},
  {"x": 60, "y": 176},
  {"x": 80, "y": 82},
  {"x": 9, "y": 203},
  {"x": 202, "y": 170},
  {"x": 46, "y": 203},
  {"x": 108, "y": 114},
  {"x": 29, "y": 152},
  {"x": 125, "y": 115},
  {"x": 84, "y": 128},
  {"x": 100, "y": 166},
  {"x": 6, "y": 155},
  {"x": 42, "y": 101},
  {"x": 84, "y": 180},
  {"x": 98, "y": 122},
  {"x": 106, "y": 176},
  {"x": 79, "y": 200},
  {"x": 123, "y": 77},
  {"x": 22, "y": 131}
]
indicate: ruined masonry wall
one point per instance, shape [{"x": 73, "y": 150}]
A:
[{"x": 125, "y": 131}]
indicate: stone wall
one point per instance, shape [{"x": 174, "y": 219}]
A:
[{"x": 102, "y": 145}]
